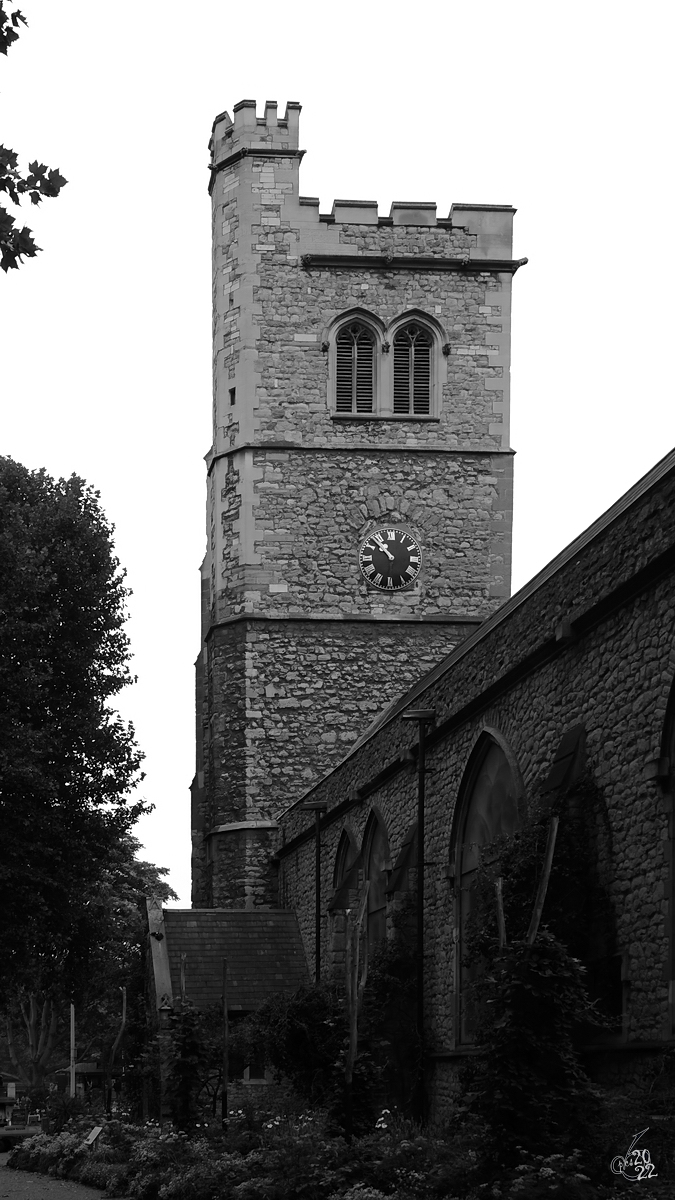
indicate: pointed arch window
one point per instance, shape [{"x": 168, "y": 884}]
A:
[
  {"x": 412, "y": 370},
  {"x": 489, "y": 811},
  {"x": 346, "y": 859},
  {"x": 355, "y": 369}
]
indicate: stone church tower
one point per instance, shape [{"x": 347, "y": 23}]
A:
[{"x": 359, "y": 494}]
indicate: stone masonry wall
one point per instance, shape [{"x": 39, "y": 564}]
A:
[
  {"x": 312, "y": 510},
  {"x": 306, "y": 701},
  {"x": 613, "y": 670}
]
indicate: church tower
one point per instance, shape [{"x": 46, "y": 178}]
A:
[{"x": 359, "y": 494}]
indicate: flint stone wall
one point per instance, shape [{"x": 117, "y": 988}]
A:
[
  {"x": 311, "y": 512},
  {"x": 612, "y": 669}
]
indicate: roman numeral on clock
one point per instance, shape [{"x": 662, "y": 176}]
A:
[{"x": 403, "y": 559}]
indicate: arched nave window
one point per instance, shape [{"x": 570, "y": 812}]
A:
[
  {"x": 376, "y": 855},
  {"x": 345, "y": 859},
  {"x": 487, "y": 810}
]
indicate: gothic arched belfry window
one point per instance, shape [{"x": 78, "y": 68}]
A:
[
  {"x": 487, "y": 811},
  {"x": 354, "y": 369},
  {"x": 412, "y": 370}
]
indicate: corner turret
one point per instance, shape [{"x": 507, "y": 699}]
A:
[{"x": 250, "y": 132}]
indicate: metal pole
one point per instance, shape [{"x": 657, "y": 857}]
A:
[
  {"x": 113, "y": 1052},
  {"x": 423, "y": 716},
  {"x": 420, "y": 883},
  {"x": 226, "y": 1038},
  {"x": 317, "y": 911},
  {"x": 72, "y": 1051},
  {"x": 317, "y": 807}
]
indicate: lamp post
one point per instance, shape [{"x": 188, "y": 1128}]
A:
[
  {"x": 424, "y": 717},
  {"x": 317, "y": 807},
  {"x": 71, "y": 1072},
  {"x": 164, "y": 1012}
]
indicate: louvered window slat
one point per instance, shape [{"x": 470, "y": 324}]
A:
[
  {"x": 412, "y": 371},
  {"x": 355, "y": 369},
  {"x": 421, "y": 376},
  {"x": 364, "y": 375},
  {"x": 401, "y": 375},
  {"x": 343, "y": 387}
]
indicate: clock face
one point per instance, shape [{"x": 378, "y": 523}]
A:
[{"x": 390, "y": 559}]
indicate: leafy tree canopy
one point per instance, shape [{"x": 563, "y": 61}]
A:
[
  {"x": 67, "y": 760},
  {"x": 103, "y": 955},
  {"x": 15, "y": 243}
]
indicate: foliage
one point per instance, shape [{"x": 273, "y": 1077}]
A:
[
  {"x": 302, "y": 1037},
  {"x": 529, "y": 1085},
  {"x": 577, "y": 908},
  {"x": 194, "y": 1050},
  {"x": 41, "y": 181},
  {"x": 67, "y": 761},
  {"x": 389, "y": 1024},
  {"x": 292, "y": 1157},
  {"x": 71, "y": 882},
  {"x": 529, "y": 1002},
  {"x": 110, "y": 940}
]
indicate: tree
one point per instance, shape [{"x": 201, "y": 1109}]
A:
[
  {"x": 105, "y": 955},
  {"x": 15, "y": 243},
  {"x": 67, "y": 760}
]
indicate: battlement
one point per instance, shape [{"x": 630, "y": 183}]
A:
[
  {"x": 490, "y": 224},
  {"x": 251, "y": 132}
]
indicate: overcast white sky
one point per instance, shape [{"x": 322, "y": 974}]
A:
[{"x": 563, "y": 110}]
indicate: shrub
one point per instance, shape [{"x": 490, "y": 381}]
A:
[
  {"x": 302, "y": 1036},
  {"x": 389, "y": 1023},
  {"x": 529, "y": 1085}
]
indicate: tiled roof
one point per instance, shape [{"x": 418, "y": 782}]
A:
[{"x": 263, "y": 949}]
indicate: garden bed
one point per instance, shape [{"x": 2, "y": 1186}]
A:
[{"x": 267, "y": 1156}]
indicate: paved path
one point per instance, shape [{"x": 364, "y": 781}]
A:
[{"x": 24, "y": 1185}]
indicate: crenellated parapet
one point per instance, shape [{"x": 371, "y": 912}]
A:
[{"x": 249, "y": 132}]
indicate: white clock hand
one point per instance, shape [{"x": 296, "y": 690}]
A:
[{"x": 385, "y": 549}]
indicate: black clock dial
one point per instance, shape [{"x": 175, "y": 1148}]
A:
[{"x": 390, "y": 559}]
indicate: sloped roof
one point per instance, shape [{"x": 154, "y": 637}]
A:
[{"x": 263, "y": 949}]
